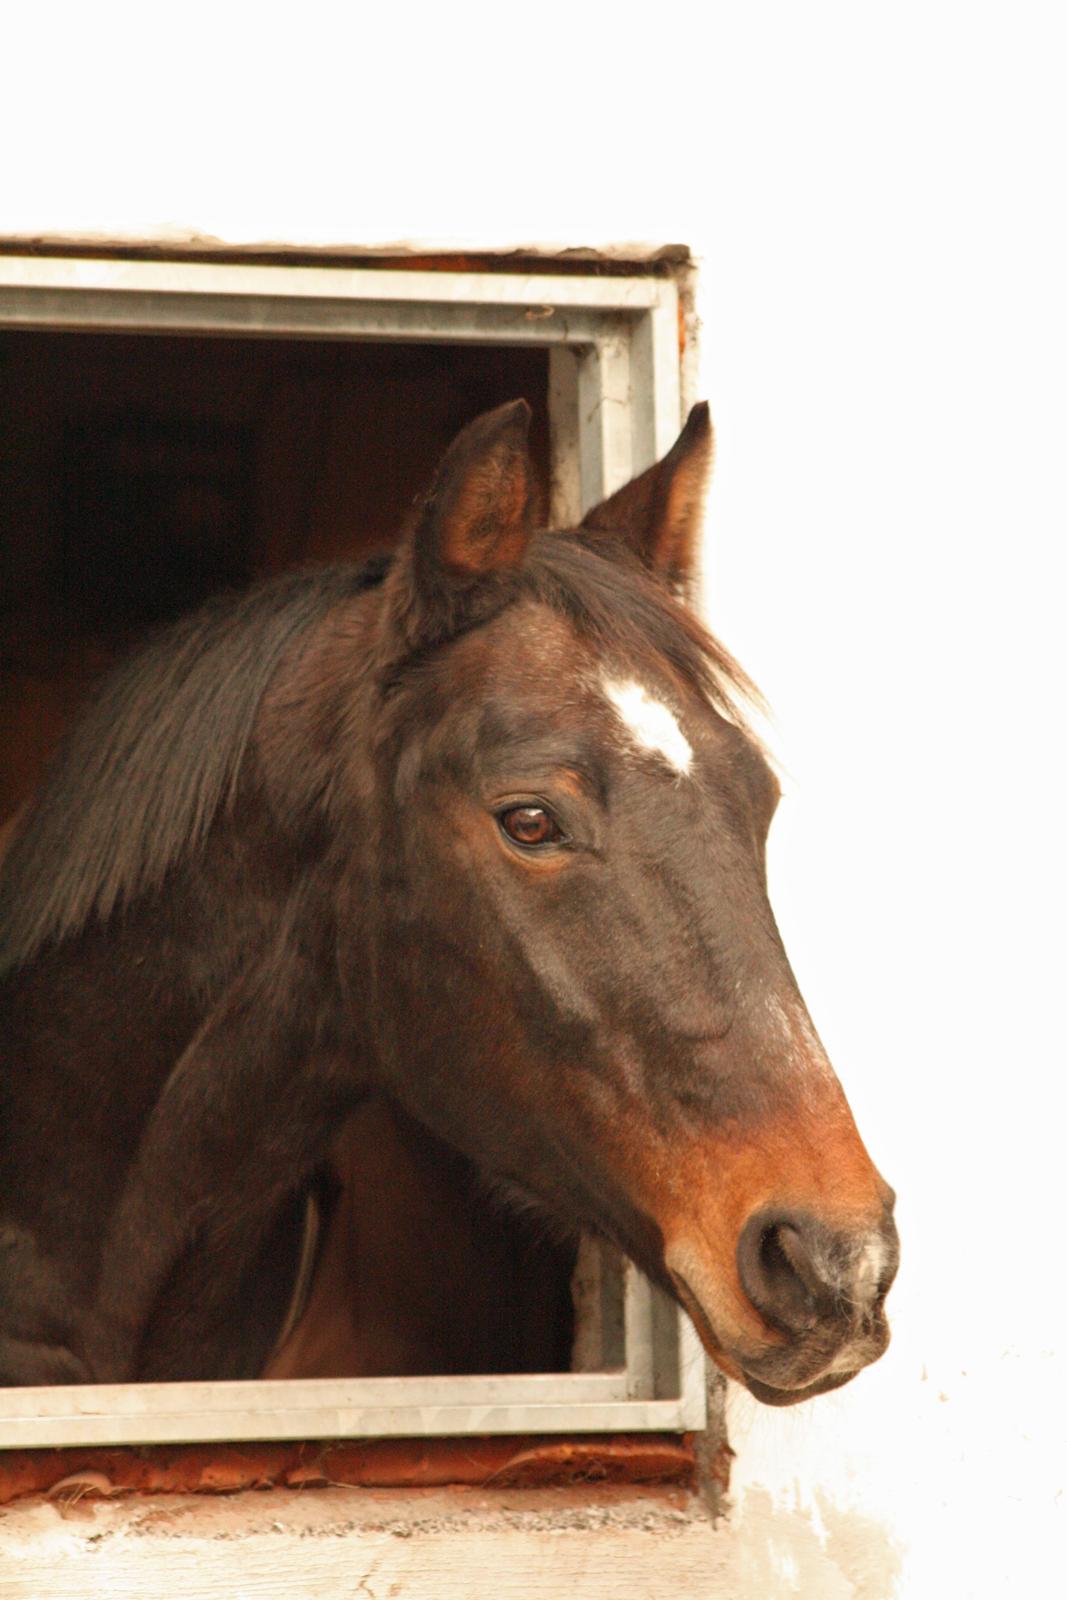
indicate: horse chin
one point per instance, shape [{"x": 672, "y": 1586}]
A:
[{"x": 768, "y": 1395}]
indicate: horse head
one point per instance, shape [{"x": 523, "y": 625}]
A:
[{"x": 574, "y": 972}]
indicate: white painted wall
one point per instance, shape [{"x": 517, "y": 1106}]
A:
[{"x": 877, "y": 197}]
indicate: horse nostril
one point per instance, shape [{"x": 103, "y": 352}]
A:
[{"x": 780, "y": 1274}]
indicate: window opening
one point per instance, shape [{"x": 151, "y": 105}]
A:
[{"x": 141, "y": 474}]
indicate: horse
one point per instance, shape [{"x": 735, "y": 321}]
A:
[{"x": 480, "y": 828}]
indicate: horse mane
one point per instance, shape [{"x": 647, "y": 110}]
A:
[{"x": 139, "y": 779}]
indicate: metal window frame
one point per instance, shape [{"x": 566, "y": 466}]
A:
[{"x": 615, "y": 405}]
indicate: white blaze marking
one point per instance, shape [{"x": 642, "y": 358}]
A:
[{"x": 650, "y": 723}]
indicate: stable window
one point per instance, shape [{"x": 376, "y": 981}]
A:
[{"x": 120, "y": 511}]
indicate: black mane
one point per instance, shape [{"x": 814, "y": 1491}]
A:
[{"x": 142, "y": 774}]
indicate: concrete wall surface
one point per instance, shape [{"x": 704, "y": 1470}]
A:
[
  {"x": 875, "y": 198},
  {"x": 434, "y": 1544}
]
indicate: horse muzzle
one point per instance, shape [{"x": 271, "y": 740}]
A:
[{"x": 806, "y": 1311}]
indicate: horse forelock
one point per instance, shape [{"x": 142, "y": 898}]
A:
[{"x": 632, "y": 617}]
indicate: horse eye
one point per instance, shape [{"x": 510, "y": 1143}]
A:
[{"x": 531, "y": 826}]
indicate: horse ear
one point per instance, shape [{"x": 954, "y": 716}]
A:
[
  {"x": 661, "y": 512},
  {"x": 474, "y": 525},
  {"x": 476, "y": 518}
]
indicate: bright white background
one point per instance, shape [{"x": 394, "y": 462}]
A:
[{"x": 877, "y": 198}]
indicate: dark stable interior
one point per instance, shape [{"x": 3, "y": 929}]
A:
[{"x": 138, "y": 476}]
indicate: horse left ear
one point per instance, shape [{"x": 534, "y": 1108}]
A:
[
  {"x": 473, "y": 527},
  {"x": 660, "y": 513}
]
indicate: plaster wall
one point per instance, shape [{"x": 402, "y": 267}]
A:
[{"x": 875, "y": 201}]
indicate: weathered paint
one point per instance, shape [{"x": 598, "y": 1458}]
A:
[{"x": 371, "y": 1463}]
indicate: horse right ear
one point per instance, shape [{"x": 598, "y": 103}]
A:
[
  {"x": 472, "y": 529},
  {"x": 660, "y": 514}
]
